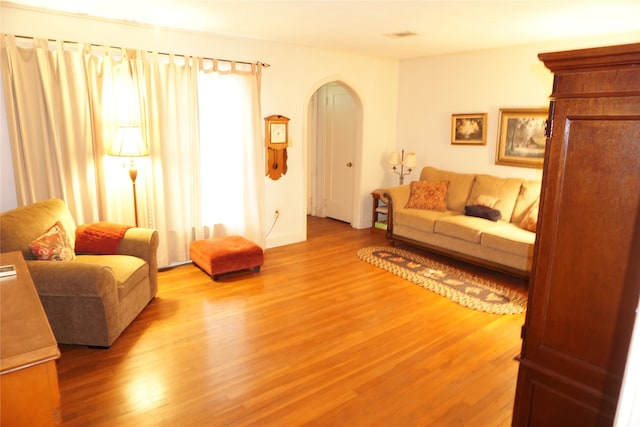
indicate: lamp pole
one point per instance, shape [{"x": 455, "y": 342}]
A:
[{"x": 133, "y": 174}]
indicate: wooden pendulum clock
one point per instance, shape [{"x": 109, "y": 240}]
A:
[{"x": 277, "y": 139}]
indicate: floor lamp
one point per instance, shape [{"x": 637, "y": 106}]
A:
[{"x": 129, "y": 143}]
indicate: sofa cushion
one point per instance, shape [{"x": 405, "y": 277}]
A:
[
  {"x": 482, "y": 212},
  {"x": 485, "y": 200},
  {"x": 423, "y": 220},
  {"x": 509, "y": 238},
  {"x": 459, "y": 185},
  {"x": 506, "y": 190},
  {"x": 529, "y": 193},
  {"x": 463, "y": 227},
  {"x": 53, "y": 245},
  {"x": 428, "y": 195}
]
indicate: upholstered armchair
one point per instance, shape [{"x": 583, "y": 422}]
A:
[{"x": 89, "y": 298}]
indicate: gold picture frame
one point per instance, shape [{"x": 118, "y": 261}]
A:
[
  {"x": 469, "y": 129},
  {"x": 521, "y": 137}
]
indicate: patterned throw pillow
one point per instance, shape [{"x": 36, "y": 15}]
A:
[
  {"x": 54, "y": 245},
  {"x": 428, "y": 195},
  {"x": 530, "y": 220}
]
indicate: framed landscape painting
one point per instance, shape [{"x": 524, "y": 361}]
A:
[
  {"x": 469, "y": 129},
  {"x": 521, "y": 139}
]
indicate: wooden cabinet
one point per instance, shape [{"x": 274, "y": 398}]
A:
[
  {"x": 585, "y": 281},
  {"x": 380, "y": 214},
  {"x": 29, "y": 393}
]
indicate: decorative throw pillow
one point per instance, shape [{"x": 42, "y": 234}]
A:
[
  {"x": 428, "y": 195},
  {"x": 482, "y": 212},
  {"x": 53, "y": 245},
  {"x": 530, "y": 220},
  {"x": 486, "y": 200}
]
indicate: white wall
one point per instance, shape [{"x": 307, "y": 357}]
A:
[
  {"x": 432, "y": 89},
  {"x": 287, "y": 86}
]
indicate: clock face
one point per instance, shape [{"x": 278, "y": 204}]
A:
[{"x": 278, "y": 133}]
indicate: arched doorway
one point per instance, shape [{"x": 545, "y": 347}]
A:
[{"x": 335, "y": 125}]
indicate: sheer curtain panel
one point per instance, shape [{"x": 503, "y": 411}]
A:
[
  {"x": 173, "y": 191},
  {"x": 232, "y": 152}
]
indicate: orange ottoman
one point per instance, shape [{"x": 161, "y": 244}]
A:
[{"x": 220, "y": 255}]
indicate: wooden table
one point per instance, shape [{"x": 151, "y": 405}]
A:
[{"x": 29, "y": 394}]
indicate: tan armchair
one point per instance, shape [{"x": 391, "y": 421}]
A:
[{"x": 93, "y": 298}]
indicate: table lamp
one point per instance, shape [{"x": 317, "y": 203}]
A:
[{"x": 400, "y": 161}]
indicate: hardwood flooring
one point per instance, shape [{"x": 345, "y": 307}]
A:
[{"x": 317, "y": 338}]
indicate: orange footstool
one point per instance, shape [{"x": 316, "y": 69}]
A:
[{"x": 220, "y": 255}]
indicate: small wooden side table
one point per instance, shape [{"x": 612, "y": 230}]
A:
[
  {"x": 380, "y": 213},
  {"x": 29, "y": 394}
]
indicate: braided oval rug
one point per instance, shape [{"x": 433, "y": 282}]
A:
[{"x": 465, "y": 289}]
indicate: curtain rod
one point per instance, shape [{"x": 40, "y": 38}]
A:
[{"x": 265, "y": 65}]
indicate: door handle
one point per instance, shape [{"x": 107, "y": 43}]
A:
[{"x": 349, "y": 164}]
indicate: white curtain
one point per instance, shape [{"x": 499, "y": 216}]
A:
[
  {"x": 173, "y": 194},
  {"x": 203, "y": 128},
  {"x": 51, "y": 124},
  {"x": 112, "y": 77},
  {"x": 64, "y": 105}
]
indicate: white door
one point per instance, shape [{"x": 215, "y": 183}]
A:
[{"x": 340, "y": 139}]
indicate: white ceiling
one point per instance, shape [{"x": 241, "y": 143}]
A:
[{"x": 363, "y": 27}]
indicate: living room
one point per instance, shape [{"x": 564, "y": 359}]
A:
[{"x": 408, "y": 102}]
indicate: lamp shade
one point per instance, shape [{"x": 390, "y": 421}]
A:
[
  {"x": 409, "y": 160},
  {"x": 394, "y": 158},
  {"x": 129, "y": 143}
]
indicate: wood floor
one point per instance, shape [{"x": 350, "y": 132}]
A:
[{"x": 317, "y": 338}]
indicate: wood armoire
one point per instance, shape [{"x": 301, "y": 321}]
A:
[{"x": 585, "y": 281}]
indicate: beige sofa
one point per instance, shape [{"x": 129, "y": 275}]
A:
[
  {"x": 91, "y": 299},
  {"x": 505, "y": 245}
]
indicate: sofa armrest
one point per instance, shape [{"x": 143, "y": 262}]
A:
[
  {"x": 143, "y": 243},
  {"x": 397, "y": 198},
  {"x": 399, "y": 195},
  {"x": 71, "y": 278}
]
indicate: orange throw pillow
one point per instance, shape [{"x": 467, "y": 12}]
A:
[{"x": 428, "y": 195}]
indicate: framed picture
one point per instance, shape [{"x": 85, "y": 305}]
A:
[
  {"x": 469, "y": 129},
  {"x": 521, "y": 139}
]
